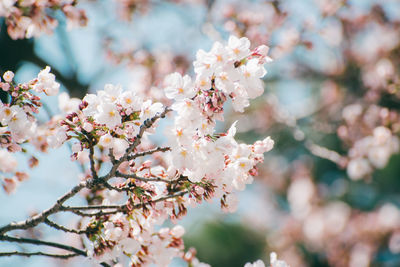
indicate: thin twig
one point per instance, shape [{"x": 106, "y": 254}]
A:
[
  {"x": 58, "y": 206},
  {"x": 146, "y": 124},
  {"x": 134, "y": 176},
  {"x": 39, "y": 218},
  {"x": 97, "y": 214},
  {"x": 111, "y": 155},
  {"x": 63, "y": 228},
  {"x": 149, "y": 152},
  {"x": 41, "y": 242},
  {"x": 91, "y": 158},
  {"x": 119, "y": 189},
  {"x": 39, "y": 253},
  {"x": 118, "y": 208},
  {"x": 93, "y": 207}
]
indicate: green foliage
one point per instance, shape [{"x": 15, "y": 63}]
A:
[{"x": 225, "y": 244}]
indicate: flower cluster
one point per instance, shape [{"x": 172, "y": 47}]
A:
[
  {"x": 17, "y": 120},
  {"x": 17, "y": 117},
  {"x": 355, "y": 103},
  {"x": 112, "y": 126},
  {"x": 111, "y": 119},
  {"x": 26, "y": 19},
  {"x": 136, "y": 237},
  {"x": 372, "y": 151},
  {"x": 372, "y": 135},
  {"x": 226, "y": 71},
  {"x": 359, "y": 80}
]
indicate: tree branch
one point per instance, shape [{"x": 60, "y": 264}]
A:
[
  {"x": 118, "y": 208},
  {"x": 63, "y": 228},
  {"x": 39, "y": 253},
  {"x": 134, "y": 176},
  {"x": 89, "y": 183},
  {"x": 92, "y": 163},
  {"x": 43, "y": 243},
  {"x": 39, "y": 218},
  {"x": 149, "y": 152},
  {"x": 119, "y": 189},
  {"x": 93, "y": 207},
  {"x": 146, "y": 124}
]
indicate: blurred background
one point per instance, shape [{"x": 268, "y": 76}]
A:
[{"x": 328, "y": 193}]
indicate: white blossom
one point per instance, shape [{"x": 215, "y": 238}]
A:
[{"x": 46, "y": 83}]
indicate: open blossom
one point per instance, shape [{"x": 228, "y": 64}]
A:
[
  {"x": 240, "y": 99},
  {"x": 8, "y": 76},
  {"x": 57, "y": 138},
  {"x": 149, "y": 109},
  {"x": 178, "y": 87},
  {"x": 262, "y": 51},
  {"x": 119, "y": 146},
  {"x": 219, "y": 54},
  {"x": 263, "y": 146},
  {"x": 6, "y": 113},
  {"x": 130, "y": 101},
  {"x": 46, "y": 83},
  {"x": 252, "y": 72},
  {"x": 106, "y": 140},
  {"x": 202, "y": 65},
  {"x": 110, "y": 93},
  {"x": 238, "y": 48},
  {"x": 108, "y": 114}
]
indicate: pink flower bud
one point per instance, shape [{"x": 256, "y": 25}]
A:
[
  {"x": 87, "y": 126},
  {"x": 5, "y": 86},
  {"x": 147, "y": 164}
]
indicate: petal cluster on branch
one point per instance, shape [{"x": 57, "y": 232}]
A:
[
  {"x": 31, "y": 18},
  {"x": 144, "y": 187}
]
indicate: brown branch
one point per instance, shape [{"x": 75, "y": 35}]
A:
[
  {"x": 63, "y": 228},
  {"x": 39, "y": 253},
  {"x": 39, "y": 218},
  {"x": 42, "y": 243},
  {"x": 99, "y": 213},
  {"x": 91, "y": 157},
  {"x": 146, "y": 124},
  {"x": 134, "y": 176},
  {"x": 111, "y": 155},
  {"x": 149, "y": 152},
  {"x": 93, "y": 207},
  {"x": 179, "y": 194},
  {"x": 118, "y": 208},
  {"x": 119, "y": 189},
  {"x": 58, "y": 206}
]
